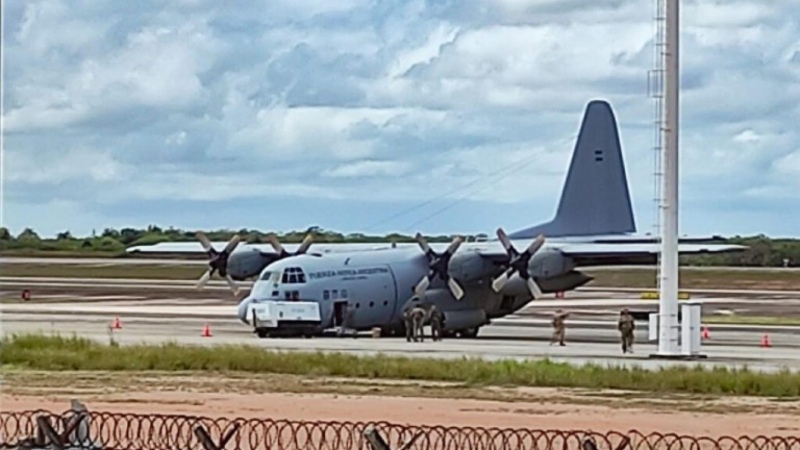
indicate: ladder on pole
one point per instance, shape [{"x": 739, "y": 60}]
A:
[{"x": 655, "y": 86}]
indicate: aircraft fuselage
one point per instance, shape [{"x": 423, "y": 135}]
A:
[{"x": 378, "y": 284}]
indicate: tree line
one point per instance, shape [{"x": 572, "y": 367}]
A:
[{"x": 762, "y": 252}]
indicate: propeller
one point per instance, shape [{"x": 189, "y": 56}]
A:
[
  {"x": 218, "y": 261},
  {"x": 438, "y": 264},
  {"x": 282, "y": 253},
  {"x": 518, "y": 262}
]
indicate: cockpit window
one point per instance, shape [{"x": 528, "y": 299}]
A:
[
  {"x": 293, "y": 275},
  {"x": 271, "y": 276}
]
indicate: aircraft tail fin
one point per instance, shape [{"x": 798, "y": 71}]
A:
[{"x": 595, "y": 199}]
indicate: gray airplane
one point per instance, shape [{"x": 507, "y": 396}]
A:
[{"x": 471, "y": 282}]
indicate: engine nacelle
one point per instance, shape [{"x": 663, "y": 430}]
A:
[
  {"x": 467, "y": 267},
  {"x": 549, "y": 263},
  {"x": 459, "y": 320},
  {"x": 248, "y": 263}
]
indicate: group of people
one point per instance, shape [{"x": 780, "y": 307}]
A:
[
  {"x": 418, "y": 314},
  {"x": 625, "y": 325}
]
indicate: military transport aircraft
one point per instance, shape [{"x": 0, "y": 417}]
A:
[{"x": 471, "y": 282}]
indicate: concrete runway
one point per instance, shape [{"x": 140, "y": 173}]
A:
[
  {"x": 175, "y": 311},
  {"x": 584, "y": 302}
]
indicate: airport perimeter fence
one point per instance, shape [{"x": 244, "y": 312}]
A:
[{"x": 42, "y": 429}]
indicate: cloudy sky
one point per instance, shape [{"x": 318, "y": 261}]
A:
[{"x": 384, "y": 115}]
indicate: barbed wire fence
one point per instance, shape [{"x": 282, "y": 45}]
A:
[{"x": 81, "y": 429}]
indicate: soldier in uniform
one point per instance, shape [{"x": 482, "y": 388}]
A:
[
  {"x": 559, "y": 327},
  {"x": 437, "y": 323},
  {"x": 414, "y": 315},
  {"x": 408, "y": 322},
  {"x": 418, "y": 315},
  {"x": 626, "y": 326}
]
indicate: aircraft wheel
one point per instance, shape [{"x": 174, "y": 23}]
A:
[
  {"x": 262, "y": 334},
  {"x": 469, "y": 332},
  {"x": 393, "y": 331}
]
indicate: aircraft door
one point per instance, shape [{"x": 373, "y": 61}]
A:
[
  {"x": 339, "y": 310},
  {"x": 373, "y": 297}
]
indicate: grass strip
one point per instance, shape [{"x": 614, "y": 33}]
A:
[
  {"x": 642, "y": 278},
  {"x": 58, "y": 353}
]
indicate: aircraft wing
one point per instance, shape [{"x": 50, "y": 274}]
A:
[
  {"x": 583, "y": 253},
  {"x": 188, "y": 248},
  {"x": 587, "y": 254}
]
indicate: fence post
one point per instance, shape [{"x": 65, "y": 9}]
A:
[
  {"x": 378, "y": 443},
  {"x": 589, "y": 444},
  {"x": 208, "y": 443},
  {"x": 375, "y": 439}
]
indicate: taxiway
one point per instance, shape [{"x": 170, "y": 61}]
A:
[
  {"x": 591, "y": 337},
  {"x": 157, "y": 311}
]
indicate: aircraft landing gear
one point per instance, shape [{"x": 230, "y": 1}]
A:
[
  {"x": 463, "y": 333},
  {"x": 468, "y": 332},
  {"x": 393, "y": 331}
]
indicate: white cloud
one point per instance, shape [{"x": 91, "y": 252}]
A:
[
  {"x": 367, "y": 168},
  {"x": 388, "y": 103}
]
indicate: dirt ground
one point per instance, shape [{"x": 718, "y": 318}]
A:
[{"x": 406, "y": 403}]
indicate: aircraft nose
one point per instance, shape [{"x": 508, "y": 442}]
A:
[{"x": 243, "y": 310}]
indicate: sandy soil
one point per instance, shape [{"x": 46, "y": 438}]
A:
[{"x": 531, "y": 408}]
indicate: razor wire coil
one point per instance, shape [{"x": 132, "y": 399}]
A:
[{"x": 126, "y": 431}]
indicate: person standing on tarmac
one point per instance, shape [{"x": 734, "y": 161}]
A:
[
  {"x": 626, "y": 326},
  {"x": 559, "y": 327},
  {"x": 437, "y": 323}
]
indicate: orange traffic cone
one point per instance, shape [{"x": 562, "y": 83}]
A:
[
  {"x": 765, "y": 341},
  {"x": 706, "y": 334},
  {"x": 116, "y": 324},
  {"x": 206, "y": 330}
]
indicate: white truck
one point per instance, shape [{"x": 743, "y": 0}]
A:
[{"x": 285, "y": 318}]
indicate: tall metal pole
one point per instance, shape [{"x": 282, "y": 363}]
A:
[{"x": 668, "y": 298}]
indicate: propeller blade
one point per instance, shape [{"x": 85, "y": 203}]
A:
[
  {"x": 534, "y": 288},
  {"x": 204, "y": 279},
  {"x": 232, "y": 244},
  {"x": 232, "y": 284},
  {"x": 454, "y": 246},
  {"x": 455, "y": 289},
  {"x": 273, "y": 239},
  {"x": 305, "y": 244},
  {"x": 422, "y": 286},
  {"x": 501, "y": 280},
  {"x": 204, "y": 241},
  {"x": 422, "y": 243},
  {"x": 535, "y": 245},
  {"x": 503, "y": 237}
]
